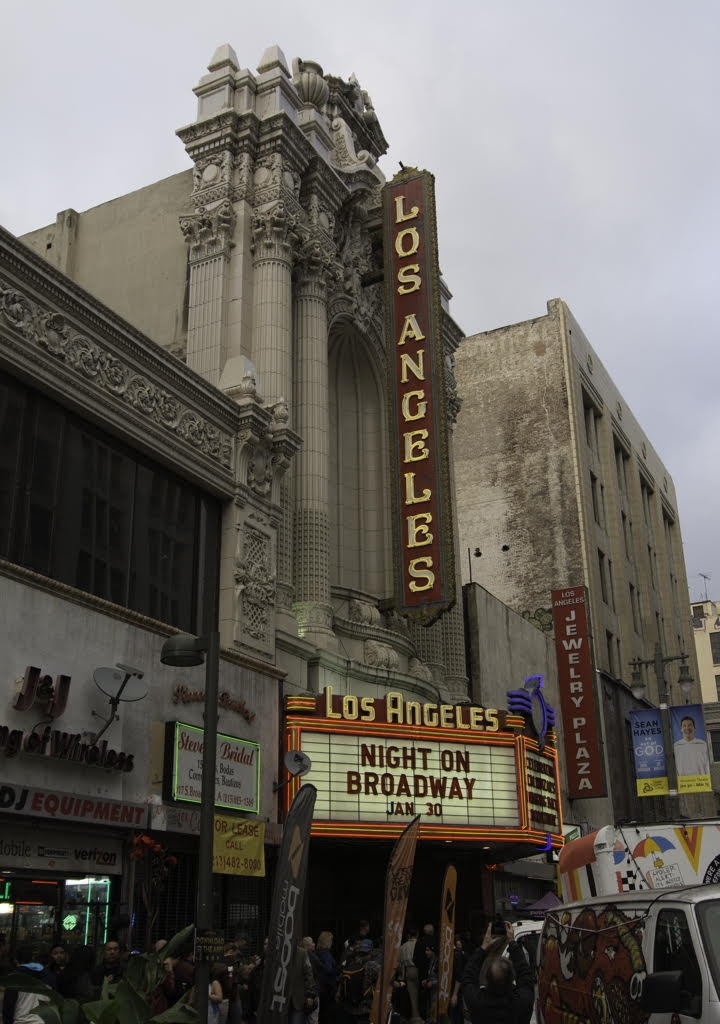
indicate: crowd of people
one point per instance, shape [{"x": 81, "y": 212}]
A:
[{"x": 330, "y": 983}]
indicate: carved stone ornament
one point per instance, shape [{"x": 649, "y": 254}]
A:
[
  {"x": 453, "y": 402},
  {"x": 397, "y": 623},
  {"x": 320, "y": 215},
  {"x": 51, "y": 332},
  {"x": 344, "y": 153},
  {"x": 310, "y": 84},
  {"x": 316, "y": 262},
  {"x": 274, "y": 233},
  {"x": 364, "y": 612},
  {"x": 260, "y": 471},
  {"x": 363, "y": 304},
  {"x": 212, "y": 170},
  {"x": 255, "y": 584},
  {"x": 275, "y": 179},
  {"x": 419, "y": 670},
  {"x": 380, "y": 656},
  {"x": 210, "y": 232}
]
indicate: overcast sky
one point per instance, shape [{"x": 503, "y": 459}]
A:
[{"x": 575, "y": 147}]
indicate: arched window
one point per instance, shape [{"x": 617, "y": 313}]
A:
[{"x": 360, "y": 541}]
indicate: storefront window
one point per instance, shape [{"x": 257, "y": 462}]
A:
[
  {"x": 43, "y": 912},
  {"x": 85, "y": 912}
]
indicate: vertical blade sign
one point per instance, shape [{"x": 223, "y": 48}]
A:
[
  {"x": 576, "y": 676},
  {"x": 422, "y": 512}
]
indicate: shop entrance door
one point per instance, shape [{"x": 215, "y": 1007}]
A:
[{"x": 36, "y": 909}]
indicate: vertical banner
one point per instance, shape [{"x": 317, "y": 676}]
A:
[
  {"x": 397, "y": 888},
  {"x": 576, "y": 676},
  {"x": 692, "y": 758},
  {"x": 649, "y": 752},
  {"x": 284, "y": 930},
  {"x": 423, "y": 547},
  {"x": 447, "y": 941}
]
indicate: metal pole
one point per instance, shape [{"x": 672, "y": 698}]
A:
[
  {"x": 664, "y": 697},
  {"x": 204, "y": 914}
]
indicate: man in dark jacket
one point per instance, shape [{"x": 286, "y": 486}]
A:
[{"x": 506, "y": 991}]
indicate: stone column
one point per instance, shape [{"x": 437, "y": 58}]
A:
[
  {"x": 274, "y": 238},
  {"x": 209, "y": 235},
  {"x": 312, "y": 464}
]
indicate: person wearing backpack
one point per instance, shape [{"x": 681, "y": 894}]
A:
[{"x": 355, "y": 980}]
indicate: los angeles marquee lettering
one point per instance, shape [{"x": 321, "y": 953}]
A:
[{"x": 395, "y": 710}]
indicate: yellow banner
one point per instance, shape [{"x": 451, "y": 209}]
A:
[
  {"x": 238, "y": 846},
  {"x": 653, "y": 787},
  {"x": 694, "y": 784}
]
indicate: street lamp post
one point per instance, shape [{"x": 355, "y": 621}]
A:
[
  {"x": 185, "y": 651},
  {"x": 685, "y": 681}
]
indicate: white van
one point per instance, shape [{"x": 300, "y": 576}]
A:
[{"x": 632, "y": 957}]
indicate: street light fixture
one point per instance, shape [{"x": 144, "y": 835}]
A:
[
  {"x": 685, "y": 682},
  {"x": 185, "y": 651}
]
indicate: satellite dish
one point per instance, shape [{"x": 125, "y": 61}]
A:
[
  {"x": 297, "y": 763},
  {"x": 122, "y": 683}
]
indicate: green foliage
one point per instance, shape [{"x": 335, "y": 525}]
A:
[{"x": 123, "y": 1003}]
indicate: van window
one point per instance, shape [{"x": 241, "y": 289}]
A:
[
  {"x": 708, "y": 914},
  {"x": 674, "y": 951}
]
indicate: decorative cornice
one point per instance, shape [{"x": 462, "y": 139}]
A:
[
  {"x": 363, "y": 631},
  {"x": 51, "y": 333},
  {"x": 24, "y": 269}
]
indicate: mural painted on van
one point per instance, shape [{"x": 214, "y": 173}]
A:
[{"x": 593, "y": 967}]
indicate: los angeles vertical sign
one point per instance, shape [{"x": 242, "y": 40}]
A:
[{"x": 422, "y": 513}]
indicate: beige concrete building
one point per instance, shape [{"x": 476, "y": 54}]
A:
[
  {"x": 558, "y": 486},
  {"x": 706, "y": 631},
  {"x": 706, "y": 628}
]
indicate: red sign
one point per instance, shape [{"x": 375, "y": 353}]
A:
[
  {"x": 577, "y": 693},
  {"x": 422, "y": 514},
  {"x": 45, "y": 803}
]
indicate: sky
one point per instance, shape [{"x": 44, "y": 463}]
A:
[{"x": 575, "y": 147}]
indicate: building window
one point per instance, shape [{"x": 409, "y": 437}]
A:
[
  {"x": 621, "y": 463},
  {"x": 698, "y": 612},
  {"x": 592, "y": 415},
  {"x": 715, "y": 647},
  {"x": 598, "y": 500},
  {"x": 715, "y": 744},
  {"x": 610, "y": 647},
  {"x": 603, "y": 577},
  {"x": 651, "y": 567},
  {"x": 669, "y": 531},
  {"x": 646, "y": 499},
  {"x": 717, "y": 686},
  {"x": 611, "y": 584},
  {"x": 627, "y": 536},
  {"x": 635, "y": 609},
  {"x": 80, "y": 507}
]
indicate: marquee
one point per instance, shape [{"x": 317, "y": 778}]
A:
[{"x": 471, "y": 773}]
